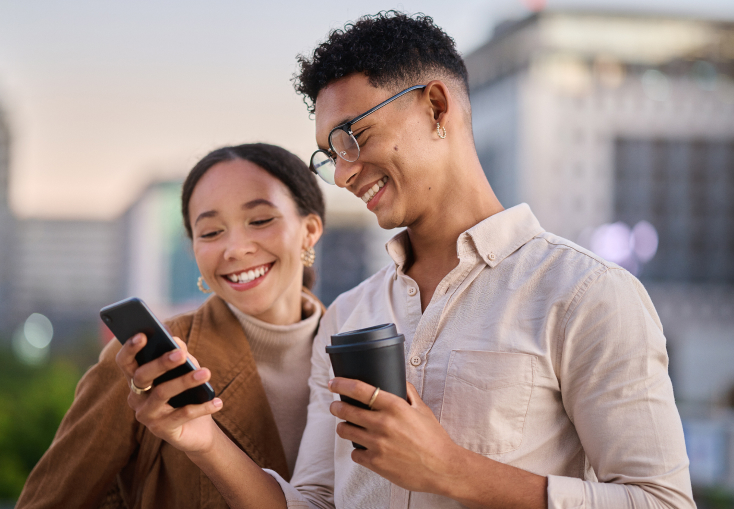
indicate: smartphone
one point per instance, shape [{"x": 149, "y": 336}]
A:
[{"x": 131, "y": 316}]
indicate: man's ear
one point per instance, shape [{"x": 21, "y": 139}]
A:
[
  {"x": 314, "y": 229},
  {"x": 440, "y": 100}
]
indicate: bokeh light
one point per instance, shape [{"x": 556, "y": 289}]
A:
[
  {"x": 31, "y": 341},
  {"x": 38, "y": 330},
  {"x": 628, "y": 247},
  {"x": 644, "y": 241}
]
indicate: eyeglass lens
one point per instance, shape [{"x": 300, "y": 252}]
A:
[
  {"x": 344, "y": 145},
  {"x": 323, "y": 165}
]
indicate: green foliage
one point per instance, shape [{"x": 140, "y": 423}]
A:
[
  {"x": 713, "y": 498},
  {"x": 33, "y": 401}
]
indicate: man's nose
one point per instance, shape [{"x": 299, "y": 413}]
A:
[{"x": 346, "y": 172}]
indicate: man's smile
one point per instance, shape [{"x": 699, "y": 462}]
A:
[{"x": 368, "y": 192}]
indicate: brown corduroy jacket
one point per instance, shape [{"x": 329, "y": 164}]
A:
[{"x": 102, "y": 457}]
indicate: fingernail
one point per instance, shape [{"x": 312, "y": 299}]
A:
[
  {"x": 137, "y": 338},
  {"x": 176, "y": 356},
  {"x": 199, "y": 375},
  {"x": 217, "y": 402},
  {"x": 331, "y": 382}
]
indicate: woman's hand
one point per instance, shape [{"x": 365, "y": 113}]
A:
[{"x": 189, "y": 428}]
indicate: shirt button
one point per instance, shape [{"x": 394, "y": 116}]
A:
[
  {"x": 492, "y": 256},
  {"x": 415, "y": 360},
  {"x": 411, "y": 291}
]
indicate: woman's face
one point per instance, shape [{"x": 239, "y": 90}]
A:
[{"x": 248, "y": 238}]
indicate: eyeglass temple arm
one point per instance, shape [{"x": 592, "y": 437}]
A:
[{"x": 355, "y": 120}]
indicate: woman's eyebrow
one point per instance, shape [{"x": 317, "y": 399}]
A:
[
  {"x": 204, "y": 215},
  {"x": 245, "y": 206},
  {"x": 256, "y": 203}
]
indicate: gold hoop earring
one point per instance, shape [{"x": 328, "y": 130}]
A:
[
  {"x": 308, "y": 256},
  {"x": 200, "y": 284},
  {"x": 438, "y": 130}
]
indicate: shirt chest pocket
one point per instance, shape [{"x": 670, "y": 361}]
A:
[{"x": 486, "y": 399}]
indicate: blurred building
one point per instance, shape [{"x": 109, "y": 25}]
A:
[
  {"x": 66, "y": 270},
  {"x": 595, "y": 119},
  {"x": 63, "y": 269},
  {"x": 159, "y": 266}
]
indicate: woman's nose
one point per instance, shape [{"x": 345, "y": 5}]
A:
[{"x": 239, "y": 246}]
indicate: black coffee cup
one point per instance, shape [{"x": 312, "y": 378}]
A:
[{"x": 375, "y": 355}]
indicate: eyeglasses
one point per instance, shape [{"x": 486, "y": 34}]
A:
[{"x": 343, "y": 143}]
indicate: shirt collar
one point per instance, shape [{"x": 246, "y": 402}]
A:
[{"x": 492, "y": 239}]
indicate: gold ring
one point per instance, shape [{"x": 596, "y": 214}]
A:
[
  {"x": 136, "y": 389},
  {"x": 373, "y": 398}
]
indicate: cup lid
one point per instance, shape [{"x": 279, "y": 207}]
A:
[{"x": 374, "y": 333}]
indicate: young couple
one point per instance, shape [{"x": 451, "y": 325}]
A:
[{"x": 537, "y": 372}]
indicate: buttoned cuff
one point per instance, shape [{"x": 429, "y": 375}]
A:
[
  {"x": 565, "y": 492},
  {"x": 293, "y": 497}
]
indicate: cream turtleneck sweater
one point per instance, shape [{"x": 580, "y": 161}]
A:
[{"x": 283, "y": 357}]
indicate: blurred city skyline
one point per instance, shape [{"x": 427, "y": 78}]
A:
[{"x": 102, "y": 99}]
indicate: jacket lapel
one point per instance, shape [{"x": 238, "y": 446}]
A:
[{"x": 219, "y": 343}]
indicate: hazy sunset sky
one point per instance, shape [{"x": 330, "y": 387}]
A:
[{"x": 103, "y": 97}]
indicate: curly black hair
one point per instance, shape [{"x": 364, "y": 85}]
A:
[{"x": 391, "y": 48}]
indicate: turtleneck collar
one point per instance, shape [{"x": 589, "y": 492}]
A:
[{"x": 276, "y": 344}]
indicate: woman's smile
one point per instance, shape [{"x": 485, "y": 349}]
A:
[{"x": 242, "y": 280}]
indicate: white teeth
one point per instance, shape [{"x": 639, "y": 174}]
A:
[
  {"x": 246, "y": 277},
  {"x": 374, "y": 189}
]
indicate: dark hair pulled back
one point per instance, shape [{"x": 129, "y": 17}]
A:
[{"x": 278, "y": 162}]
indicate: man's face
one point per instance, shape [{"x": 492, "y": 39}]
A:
[{"x": 395, "y": 143}]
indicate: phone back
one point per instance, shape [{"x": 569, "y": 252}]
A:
[{"x": 131, "y": 316}]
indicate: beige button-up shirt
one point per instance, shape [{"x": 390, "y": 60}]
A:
[{"x": 533, "y": 352}]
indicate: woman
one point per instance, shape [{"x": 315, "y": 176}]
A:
[{"x": 253, "y": 213}]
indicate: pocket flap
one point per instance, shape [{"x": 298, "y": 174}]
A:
[{"x": 491, "y": 370}]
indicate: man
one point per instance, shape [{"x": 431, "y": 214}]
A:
[{"x": 537, "y": 371}]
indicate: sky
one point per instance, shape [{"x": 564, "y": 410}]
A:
[{"x": 103, "y": 98}]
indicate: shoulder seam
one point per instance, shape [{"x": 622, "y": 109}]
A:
[
  {"x": 599, "y": 260},
  {"x": 573, "y": 304}
]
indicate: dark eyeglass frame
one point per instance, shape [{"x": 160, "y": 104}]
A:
[{"x": 347, "y": 128}]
